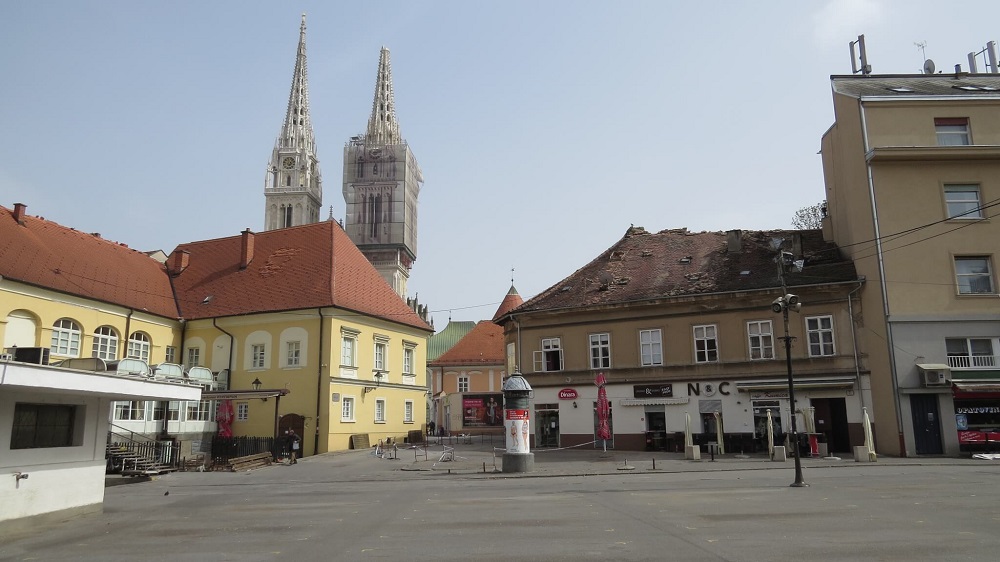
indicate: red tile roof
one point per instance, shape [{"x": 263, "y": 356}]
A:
[
  {"x": 482, "y": 346},
  {"x": 47, "y": 254},
  {"x": 510, "y": 302},
  {"x": 307, "y": 266}
]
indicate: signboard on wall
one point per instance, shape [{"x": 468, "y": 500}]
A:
[
  {"x": 482, "y": 410},
  {"x": 653, "y": 390}
]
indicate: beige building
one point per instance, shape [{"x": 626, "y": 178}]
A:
[
  {"x": 682, "y": 324},
  {"x": 912, "y": 169}
]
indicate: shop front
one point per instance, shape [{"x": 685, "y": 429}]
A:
[{"x": 977, "y": 415}]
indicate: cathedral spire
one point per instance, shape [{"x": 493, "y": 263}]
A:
[
  {"x": 382, "y": 125},
  {"x": 293, "y": 186},
  {"x": 297, "y": 131}
]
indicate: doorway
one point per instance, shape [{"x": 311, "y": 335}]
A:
[
  {"x": 546, "y": 428},
  {"x": 831, "y": 421},
  {"x": 926, "y": 424}
]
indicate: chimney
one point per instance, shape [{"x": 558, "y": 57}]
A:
[
  {"x": 734, "y": 241},
  {"x": 246, "y": 250},
  {"x": 797, "y": 245},
  {"x": 178, "y": 262},
  {"x": 19, "y": 212}
]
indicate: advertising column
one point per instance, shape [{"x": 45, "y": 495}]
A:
[{"x": 516, "y": 408}]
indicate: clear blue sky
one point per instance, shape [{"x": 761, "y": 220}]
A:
[{"x": 544, "y": 129}]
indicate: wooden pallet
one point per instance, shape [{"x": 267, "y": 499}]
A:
[{"x": 250, "y": 462}]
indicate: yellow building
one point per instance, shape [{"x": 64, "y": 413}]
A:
[
  {"x": 912, "y": 166},
  {"x": 297, "y": 309}
]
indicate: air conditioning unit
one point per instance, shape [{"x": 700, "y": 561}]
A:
[{"x": 936, "y": 377}]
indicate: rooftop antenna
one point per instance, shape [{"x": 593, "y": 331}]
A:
[
  {"x": 928, "y": 67},
  {"x": 865, "y": 68},
  {"x": 989, "y": 57}
]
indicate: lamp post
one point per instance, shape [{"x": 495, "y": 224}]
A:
[{"x": 782, "y": 304}]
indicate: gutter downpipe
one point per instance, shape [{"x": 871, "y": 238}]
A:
[
  {"x": 180, "y": 351},
  {"x": 232, "y": 342},
  {"x": 854, "y": 340},
  {"x": 319, "y": 381},
  {"x": 885, "y": 296}
]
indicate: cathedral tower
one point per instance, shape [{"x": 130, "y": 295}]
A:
[
  {"x": 381, "y": 184},
  {"x": 293, "y": 187}
]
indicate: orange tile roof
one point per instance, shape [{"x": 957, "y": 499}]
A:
[
  {"x": 309, "y": 266},
  {"x": 482, "y": 346},
  {"x": 510, "y": 302},
  {"x": 46, "y": 254}
]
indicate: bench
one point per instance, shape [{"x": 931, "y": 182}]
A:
[{"x": 249, "y": 462}]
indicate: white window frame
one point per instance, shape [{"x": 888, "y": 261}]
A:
[
  {"x": 551, "y": 352},
  {"x": 380, "y": 410},
  {"x": 408, "y": 354},
  {"x": 651, "y": 347},
  {"x": 139, "y": 345},
  {"x": 170, "y": 354},
  {"x": 347, "y": 409},
  {"x": 105, "y": 343},
  {"x": 963, "y": 201},
  {"x": 130, "y": 410},
  {"x": 463, "y": 383},
  {"x": 258, "y": 356},
  {"x": 820, "y": 337},
  {"x": 706, "y": 343},
  {"x": 173, "y": 411},
  {"x": 966, "y": 279},
  {"x": 952, "y": 132},
  {"x": 242, "y": 411},
  {"x": 349, "y": 350},
  {"x": 408, "y": 411},
  {"x": 600, "y": 350},
  {"x": 66, "y": 336},
  {"x": 293, "y": 353},
  {"x": 760, "y": 338},
  {"x": 193, "y": 357},
  {"x": 976, "y": 353},
  {"x": 381, "y": 358}
]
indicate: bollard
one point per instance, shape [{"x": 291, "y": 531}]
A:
[
  {"x": 654, "y": 463},
  {"x": 711, "y": 451}
]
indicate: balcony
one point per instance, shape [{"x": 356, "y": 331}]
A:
[{"x": 972, "y": 361}]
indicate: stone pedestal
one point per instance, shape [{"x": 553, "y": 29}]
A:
[
  {"x": 518, "y": 462},
  {"x": 779, "y": 454},
  {"x": 692, "y": 453},
  {"x": 861, "y": 454}
]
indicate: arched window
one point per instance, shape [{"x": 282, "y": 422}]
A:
[
  {"x": 65, "y": 338},
  {"x": 105, "y": 343},
  {"x": 138, "y": 346}
]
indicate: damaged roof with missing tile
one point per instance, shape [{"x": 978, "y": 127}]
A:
[{"x": 677, "y": 263}]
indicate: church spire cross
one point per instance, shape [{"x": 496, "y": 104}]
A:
[
  {"x": 297, "y": 131},
  {"x": 382, "y": 125}
]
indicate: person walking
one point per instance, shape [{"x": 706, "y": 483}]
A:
[{"x": 294, "y": 444}]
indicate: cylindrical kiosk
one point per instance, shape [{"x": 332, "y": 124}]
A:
[{"x": 516, "y": 420}]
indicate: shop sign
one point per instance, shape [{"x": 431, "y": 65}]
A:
[
  {"x": 568, "y": 394},
  {"x": 696, "y": 388},
  {"x": 653, "y": 391},
  {"x": 978, "y": 410},
  {"x": 769, "y": 395}
]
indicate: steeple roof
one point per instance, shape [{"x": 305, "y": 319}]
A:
[
  {"x": 297, "y": 131},
  {"x": 510, "y": 302},
  {"x": 382, "y": 125}
]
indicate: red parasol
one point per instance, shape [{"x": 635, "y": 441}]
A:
[
  {"x": 224, "y": 417},
  {"x": 603, "y": 409}
]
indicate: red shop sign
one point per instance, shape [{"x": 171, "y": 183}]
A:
[{"x": 568, "y": 394}]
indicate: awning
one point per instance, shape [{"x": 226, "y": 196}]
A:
[
  {"x": 933, "y": 367},
  {"x": 978, "y": 386},
  {"x": 846, "y": 381},
  {"x": 651, "y": 401},
  {"x": 242, "y": 394}
]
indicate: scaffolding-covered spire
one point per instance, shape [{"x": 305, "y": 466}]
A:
[
  {"x": 382, "y": 125},
  {"x": 297, "y": 132}
]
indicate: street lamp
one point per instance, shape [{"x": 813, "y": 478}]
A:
[
  {"x": 256, "y": 384},
  {"x": 782, "y": 304}
]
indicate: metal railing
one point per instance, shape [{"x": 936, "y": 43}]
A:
[
  {"x": 972, "y": 361},
  {"x": 142, "y": 449}
]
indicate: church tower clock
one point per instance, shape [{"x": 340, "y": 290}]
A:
[
  {"x": 293, "y": 186},
  {"x": 381, "y": 184}
]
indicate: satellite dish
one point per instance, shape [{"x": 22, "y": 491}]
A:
[{"x": 928, "y": 66}]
